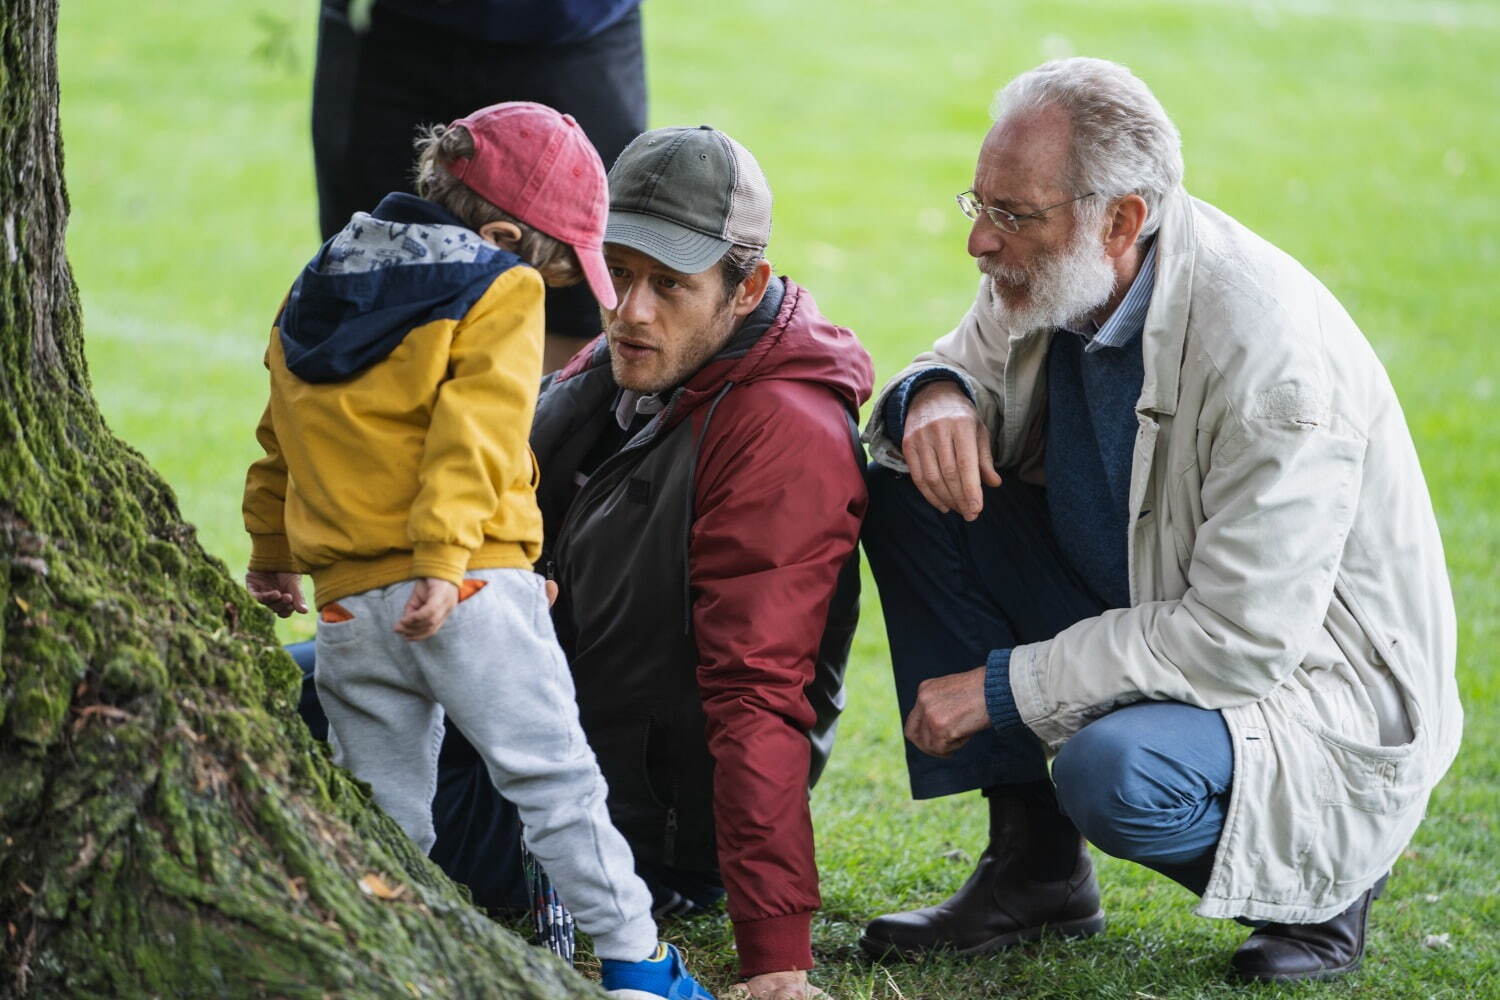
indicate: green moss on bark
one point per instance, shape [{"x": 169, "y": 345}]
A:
[{"x": 167, "y": 825}]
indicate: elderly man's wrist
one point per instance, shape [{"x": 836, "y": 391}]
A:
[
  {"x": 998, "y": 698},
  {"x": 900, "y": 398}
]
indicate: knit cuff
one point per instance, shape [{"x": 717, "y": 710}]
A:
[
  {"x": 271, "y": 554},
  {"x": 897, "y": 401},
  {"x": 436, "y": 559},
  {"x": 997, "y": 694},
  {"x": 774, "y": 944}
]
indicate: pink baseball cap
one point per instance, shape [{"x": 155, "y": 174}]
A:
[{"x": 537, "y": 164}]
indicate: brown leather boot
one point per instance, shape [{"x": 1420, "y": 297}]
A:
[
  {"x": 1289, "y": 952},
  {"x": 1002, "y": 904}
]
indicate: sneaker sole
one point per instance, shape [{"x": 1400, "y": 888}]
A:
[{"x": 1080, "y": 928}]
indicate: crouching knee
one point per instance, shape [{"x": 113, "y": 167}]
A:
[{"x": 1115, "y": 792}]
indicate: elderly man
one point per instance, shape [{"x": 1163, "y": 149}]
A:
[{"x": 1152, "y": 506}]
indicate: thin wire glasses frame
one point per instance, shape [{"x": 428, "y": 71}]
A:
[{"x": 971, "y": 206}]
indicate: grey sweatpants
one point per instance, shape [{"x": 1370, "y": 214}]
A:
[{"x": 496, "y": 669}]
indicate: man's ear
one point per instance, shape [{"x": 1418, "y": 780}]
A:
[
  {"x": 750, "y": 291},
  {"x": 1125, "y": 222},
  {"x": 506, "y": 235}
]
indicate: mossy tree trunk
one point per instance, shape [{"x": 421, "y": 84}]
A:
[{"x": 168, "y": 828}]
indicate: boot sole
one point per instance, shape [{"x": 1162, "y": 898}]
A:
[
  {"x": 1080, "y": 928},
  {"x": 1299, "y": 977},
  {"x": 1376, "y": 891}
]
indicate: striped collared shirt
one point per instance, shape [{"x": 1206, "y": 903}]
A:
[{"x": 1129, "y": 318}]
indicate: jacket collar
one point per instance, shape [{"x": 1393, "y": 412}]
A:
[
  {"x": 1167, "y": 318},
  {"x": 398, "y": 206}
]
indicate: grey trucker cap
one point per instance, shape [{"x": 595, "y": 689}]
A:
[{"x": 685, "y": 195}]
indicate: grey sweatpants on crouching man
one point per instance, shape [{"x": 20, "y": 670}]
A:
[{"x": 496, "y": 669}]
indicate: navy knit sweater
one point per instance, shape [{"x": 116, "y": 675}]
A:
[{"x": 1091, "y": 427}]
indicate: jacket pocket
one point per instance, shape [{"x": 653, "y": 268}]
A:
[
  {"x": 1372, "y": 799},
  {"x": 659, "y": 778},
  {"x": 656, "y": 764},
  {"x": 1376, "y": 779},
  {"x": 336, "y": 625}
]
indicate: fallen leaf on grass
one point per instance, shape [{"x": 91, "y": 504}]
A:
[
  {"x": 374, "y": 885},
  {"x": 1437, "y": 941}
]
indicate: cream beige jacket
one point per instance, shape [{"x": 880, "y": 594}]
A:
[{"x": 1285, "y": 564}]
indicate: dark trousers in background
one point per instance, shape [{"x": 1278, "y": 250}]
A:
[
  {"x": 1148, "y": 782},
  {"x": 372, "y": 90}
]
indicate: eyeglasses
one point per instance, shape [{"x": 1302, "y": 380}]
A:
[{"x": 1009, "y": 222}]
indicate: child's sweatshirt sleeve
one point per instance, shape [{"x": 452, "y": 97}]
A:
[
  {"x": 265, "y": 502},
  {"x": 477, "y": 439}
]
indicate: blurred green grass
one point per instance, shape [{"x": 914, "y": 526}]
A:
[{"x": 1358, "y": 137}]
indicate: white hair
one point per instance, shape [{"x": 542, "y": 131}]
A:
[{"x": 1122, "y": 143}]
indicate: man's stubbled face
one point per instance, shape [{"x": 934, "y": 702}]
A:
[{"x": 667, "y": 324}]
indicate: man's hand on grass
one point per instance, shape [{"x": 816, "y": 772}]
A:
[
  {"x": 431, "y": 602},
  {"x": 949, "y": 710},
  {"x": 281, "y": 592},
  {"x": 775, "y": 986}
]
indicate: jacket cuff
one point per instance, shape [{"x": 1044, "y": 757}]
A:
[
  {"x": 438, "y": 559},
  {"x": 271, "y": 554},
  {"x": 897, "y": 401},
  {"x": 774, "y": 944},
  {"x": 997, "y": 693}
]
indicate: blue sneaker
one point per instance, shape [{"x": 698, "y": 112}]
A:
[{"x": 663, "y": 976}]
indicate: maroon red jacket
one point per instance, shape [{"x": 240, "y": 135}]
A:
[{"x": 709, "y": 588}]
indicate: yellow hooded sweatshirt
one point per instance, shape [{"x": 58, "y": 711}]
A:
[{"x": 402, "y": 391}]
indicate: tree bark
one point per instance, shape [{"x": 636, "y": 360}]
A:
[{"x": 168, "y": 827}]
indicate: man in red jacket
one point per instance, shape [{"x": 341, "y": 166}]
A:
[{"x": 702, "y": 491}]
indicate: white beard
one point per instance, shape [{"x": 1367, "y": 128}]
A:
[{"x": 1062, "y": 289}]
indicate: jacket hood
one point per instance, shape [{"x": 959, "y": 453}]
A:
[
  {"x": 786, "y": 337},
  {"x": 408, "y": 263}
]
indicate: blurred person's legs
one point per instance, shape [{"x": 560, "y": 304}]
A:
[{"x": 373, "y": 90}]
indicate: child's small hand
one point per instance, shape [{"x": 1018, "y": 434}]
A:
[
  {"x": 281, "y": 592},
  {"x": 431, "y": 602}
]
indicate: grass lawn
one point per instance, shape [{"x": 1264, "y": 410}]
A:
[{"x": 1359, "y": 137}]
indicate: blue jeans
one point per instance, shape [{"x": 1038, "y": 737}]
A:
[{"x": 1148, "y": 783}]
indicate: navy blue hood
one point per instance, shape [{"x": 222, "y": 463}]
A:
[{"x": 408, "y": 263}]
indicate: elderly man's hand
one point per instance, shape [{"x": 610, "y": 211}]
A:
[
  {"x": 947, "y": 449},
  {"x": 948, "y": 711}
]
